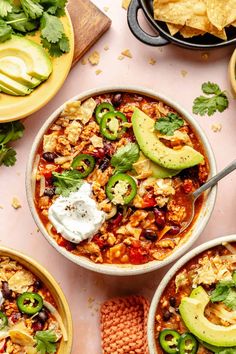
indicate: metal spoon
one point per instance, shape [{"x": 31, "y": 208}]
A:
[{"x": 192, "y": 197}]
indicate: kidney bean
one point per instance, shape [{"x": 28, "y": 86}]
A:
[
  {"x": 15, "y": 317},
  {"x": 174, "y": 230},
  {"x": 38, "y": 284},
  {"x": 37, "y": 326},
  {"x": 159, "y": 217},
  {"x": 117, "y": 99},
  {"x": 149, "y": 234},
  {"x": 172, "y": 301},
  {"x": 50, "y": 191},
  {"x": 6, "y": 292},
  {"x": 116, "y": 221},
  {"x": 104, "y": 164},
  {"x": 166, "y": 315},
  {"x": 49, "y": 156}
]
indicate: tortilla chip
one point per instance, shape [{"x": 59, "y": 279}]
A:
[
  {"x": 189, "y": 32},
  {"x": 233, "y": 24},
  {"x": 202, "y": 23},
  {"x": 173, "y": 28},
  {"x": 221, "y": 12}
]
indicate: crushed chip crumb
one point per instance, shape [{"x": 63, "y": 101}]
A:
[
  {"x": 98, "y": 72},
  {"x": 84, "y": 61},
  {"x": 127, "y": 53},
  {"x": 94, "y": 58},
  {"x": 183, "y": 73},
  {"x": 125, "y": 4},
  {"x": 106, "y": 8},
  {"x": 1, "y": 206},
  {"x": 15, "y": 203},
  {"x": 106, "y": 47},
  {"x": 205, "y": 56},
  {"x": 121, "y": 57},
  {"x": 152, "y": 61},
  {"x": 216, "y": 127}
]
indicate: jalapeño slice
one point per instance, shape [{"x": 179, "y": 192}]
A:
[
  {"x": 29, "y": 303},
  {"x": 187, "y": 344},
  {"x": 102, "y": 109},
  {"x": 84, "y": 164},
  {"x": 131, "y": 190},
  {"x": 169, "y": 339},
  {"x": 3, "y": 320},
  {"x": 111, "y": 125}
]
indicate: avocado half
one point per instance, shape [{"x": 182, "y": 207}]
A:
[
  {"x": 155, "y": 150},
  {"x": 192, "y": 312}
]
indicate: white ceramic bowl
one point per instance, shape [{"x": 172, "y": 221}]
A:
[
  {"x": 193, "y": 233},
  {"x": 170, "y": 274}
]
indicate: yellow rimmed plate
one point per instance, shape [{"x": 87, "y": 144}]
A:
[
  {"x": 232, "y": 71},
  {"x": 17, "y": 107}
]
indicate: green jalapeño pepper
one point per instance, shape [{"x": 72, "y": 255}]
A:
[
  {"x": 187, "y": 344},
  {"x": 84, "y": 164},
  {"x": 102, "y": 109},
  {"x": 29, "y": 303},
  {"x": 3, "y": 320},
  {"x": 169, "y": 339},
  {"x": 121, "y": 189},
  {"x": 111, "y": 125}
]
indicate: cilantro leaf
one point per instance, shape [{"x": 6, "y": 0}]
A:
[
  {"x": 46, "y": 341},
  {"x": 210, "y": 104},
  {"x": 218, "y": 350},
  {"x": 124, "y": 157},
  {"x": 225, "y": 292},
  {"x": 57, "y": 49},
  {"x": 5, "y": 31},
  {"x": 7, "y": 156},
  {"x": 32, "y": 8},
  {"x": 54, "y": 7},
  {"x": 5, "y": 7},
  {"x": 9, "y": 132},
  {"x": 67, "y": 182},
  {"x": 230, "y": 300},
  {"x": 51, "y": 28},
  {"x": 25, "y": 25},
  {"x": 168, "y": 125}
]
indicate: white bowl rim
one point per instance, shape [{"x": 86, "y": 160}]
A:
[
  {"x": 114, "y": 269},
  {"x": 169, "y": 275}
]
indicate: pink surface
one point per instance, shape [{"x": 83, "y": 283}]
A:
[{"x": 85, "y": 290}]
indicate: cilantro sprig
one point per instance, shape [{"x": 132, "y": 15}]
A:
[
  {"x": 31, "y": 15},
  {"x": 124, "y": 157},
  {"x": 169, "y": 124},
  {"x": 66, "y": 182},
  {"x": 46, "y": 342},
  {"x": 9, "y": 132},
  {"x": 225, "y": 292},
  {"x": 216, "y": 100}
]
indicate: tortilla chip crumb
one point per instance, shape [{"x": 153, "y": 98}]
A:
[
  {"x": 183, "y": 73},
  {"x": 125, "y": 4},
  {"x": 106, "y": 47},
  {"x": 15, "y": 203},
  {"x": 205, "y": 56},
  {"x": 127, "y": 53},
  {"x": 121, "y": 57},
  {"x": 94, "y": 58},
  {"x": 1, "y": 206},
  {"x": 84, "y": 61},
  {"x": 216, "y": 127},
  {"x": 152, "y": 61},
  {"x": 106, "y": 8},
  {"x": 98, "y": 72}
]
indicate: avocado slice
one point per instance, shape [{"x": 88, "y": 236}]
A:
[
  {"x": 37, "y": 61},
  {"x": 12, "y": 85},
  {"x": 8, "y": 91},
  {"x": 16, "y": 69},
  {"x": 155, "y": 150},
  {"x": 192, "y": 312}
]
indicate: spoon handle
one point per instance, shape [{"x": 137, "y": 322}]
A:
[{"x": 228, "y": 169}]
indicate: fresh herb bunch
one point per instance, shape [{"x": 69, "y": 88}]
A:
[
  {"x": 46, "y": 342},
  {"x": 124, "y": 157},
  {"x": 67, "y": 182},
  {"x": 34, "y": 15},
  {"x": 169, "y": 124},
  {"x": 9, "y": 132},
  {"x": 215, "y": 101}
]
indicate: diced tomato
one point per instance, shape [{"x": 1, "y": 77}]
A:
[
  {"x": 188, "y": 186},
  {"x": 148, "y": 201},
  {"x": 61, "y": 241},
  {"x": 137, "y": 254},
  {"x": 99, "y": 241},
  {"x": 2, "y": 345},
  {"x": 48, "y": 173}
]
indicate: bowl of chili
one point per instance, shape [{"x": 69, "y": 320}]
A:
[
  {"x": 34, "y": 315},
  {"x": 89, "y": 154},
  {"x": 197, "y": 278}
]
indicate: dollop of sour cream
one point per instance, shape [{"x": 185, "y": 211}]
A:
[{"x": 77, "y": 216}]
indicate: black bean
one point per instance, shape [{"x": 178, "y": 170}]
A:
[
  {"x": 116, "y": 100},
  {"x": 38, "y": 284},
  {"x": 6, "y": 292},
  {"x": 50, "y": 191},
  {"x": 42, "y": 316},
  {"x": 166, "y": 315},
  {"x": 172, "y": 301},
  {"x": 149, "y": 235},
  {"x": 49, "y": 156},
  {"x": 104, "y": 164}
]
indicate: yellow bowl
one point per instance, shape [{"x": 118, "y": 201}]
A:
[
  {"x": 17, "y": 107},
  {"x": 232, "y": 71},
  {"x": 54, "y": 289}
]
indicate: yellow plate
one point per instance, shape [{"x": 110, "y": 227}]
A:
[
  {"x": 232, "y": 71},
  {"x": 17, "y": 107}
]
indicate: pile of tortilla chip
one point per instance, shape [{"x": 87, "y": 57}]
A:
[{"x": 193, "y": 18}]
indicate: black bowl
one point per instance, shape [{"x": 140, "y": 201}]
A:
[{"x": 207, "y": 41}]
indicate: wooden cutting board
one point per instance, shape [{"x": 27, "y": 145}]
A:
[{"x": 89, "y": 24}]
